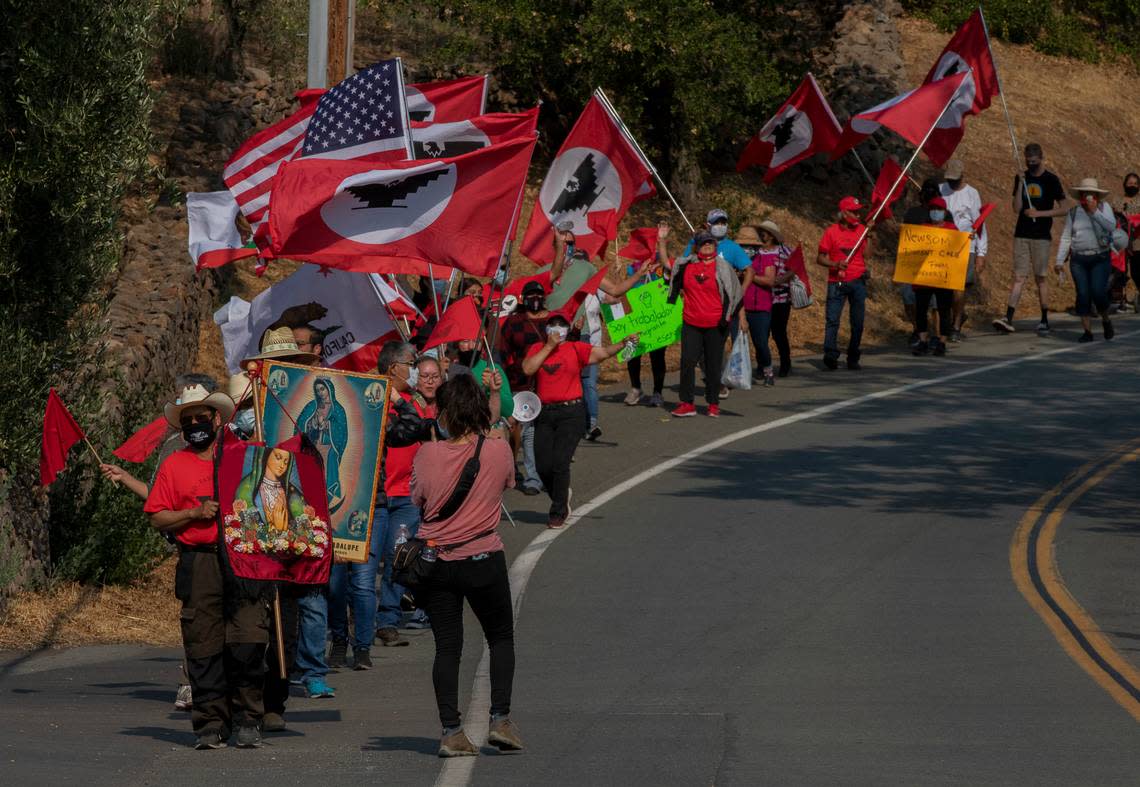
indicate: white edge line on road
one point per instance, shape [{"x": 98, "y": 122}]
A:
[{"x": 456, "y": 772}]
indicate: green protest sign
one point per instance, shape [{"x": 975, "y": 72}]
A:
[{"x": 644, "y": 311}]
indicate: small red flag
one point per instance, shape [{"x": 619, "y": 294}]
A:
[
  {"x": 143, "y": 443},
  {"x": 515, "y": 286},
  {"x": 642, "y": 245},
  {"x": 459, "y": 322},
  {"x": 983, "y": 214},
  {"x": 888, "y": 175},
  {"x": 60, "y": 434},
  {"x": 795, "y": 263},
  {"x": 590, "y": 286}
]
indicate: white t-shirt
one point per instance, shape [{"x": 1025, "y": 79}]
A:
[{"x": 964, "y": 207}]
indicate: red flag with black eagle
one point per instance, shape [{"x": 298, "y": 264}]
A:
[
  {"x": 597, "y": 169},
  {"x": 364, "y": 216},
  {"x": 803, "y": 126},
  {"x": 274, "y": 512}
]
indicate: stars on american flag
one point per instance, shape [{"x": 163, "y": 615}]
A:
[{"x": 364, "y": 108}]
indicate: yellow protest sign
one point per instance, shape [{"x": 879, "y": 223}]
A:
[{"x": 932, "y": 257}]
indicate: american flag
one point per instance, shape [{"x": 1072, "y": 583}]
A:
[{"x": 364, "y": 115}]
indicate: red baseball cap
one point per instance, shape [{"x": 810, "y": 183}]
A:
[
  {"x": 850, "y": 203},
  {"x": 937, "y": 202}
]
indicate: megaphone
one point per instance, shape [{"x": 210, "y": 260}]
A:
[{"x": 527, "y": 406}]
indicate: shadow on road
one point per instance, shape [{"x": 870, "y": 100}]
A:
[{"x": 403, "y": 743}]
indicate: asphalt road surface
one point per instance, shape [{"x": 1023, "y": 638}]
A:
[{"x": 831, "y": 599}]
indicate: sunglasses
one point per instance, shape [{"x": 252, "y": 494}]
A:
[{"x": 200, "y": 418}]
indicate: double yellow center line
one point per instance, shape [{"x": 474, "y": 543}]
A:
[{"x": 1032, "y": 559}]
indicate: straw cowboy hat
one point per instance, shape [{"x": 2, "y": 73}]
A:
[
  {"x": 1087, "y": 185},
  {"x": 772, "y": 228},
  {"x": 240, "y": 388},
  {"x": 278, "y": 343},
  {"x": 747, "y": 236},
  {"x": 197, "y": 396}
]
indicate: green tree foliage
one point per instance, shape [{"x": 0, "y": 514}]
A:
[
  {"x": 1084, "y": 30},
  {"x": 689, "y": 76},
  {"x": 74, "y": 104}
]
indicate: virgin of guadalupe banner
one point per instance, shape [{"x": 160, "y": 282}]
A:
[
  {"x": 343, "y": 415},
  {"x": 275, "y": 520}
]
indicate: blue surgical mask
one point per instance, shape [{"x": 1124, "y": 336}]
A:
[
  {"x": 719, "y": 230},
  {"x": 937, "y": 215},
  {"x": 244, "y": 421}
]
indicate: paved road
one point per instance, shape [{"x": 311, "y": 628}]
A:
[{"x": 829, "y": 601}]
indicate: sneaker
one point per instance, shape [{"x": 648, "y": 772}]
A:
[
  {"x": 317, "y": 688},
  {"x": 504, "y": 735},
  {"x": 724, "y": 392},
  {"x": 1002, "y": 325},
  {"x": 390, "y": 638},
  {"x": 1085, "y": 337},
  {"x": 938, "y": 347},
  {"x": 361, "y": 659},
  {"x": 210, "y": 740},
  {"x": 419, "y": 620},
  {"x": 248, "y": 737},
  {"x": 854, "y": 365},
  {"x": 273, "y": 722},
  {"x": 594, "y": 433},
  {"x": 633, "y": 397},
  {"x": 830, "y": 363},
  {"x": 769, "y": 378},
  {"x": 338, "y": 654},
  {"x": 1109, "y": 331},
  {"x": 684, "y": 410},
  {"x": 655, "y": 401},
  {"x": 457, "y": 744},
  {"x": 955, "y": 337},
  {"x": 183, "y": 698},
  {"x": 714, "y": 411},
  {"x": 295, "y": 679},
  {"x": 530, "y": 490},
  {"x": 556, "y": 522},
  {"x": 1042, "y": 328},
  {"x": 920, "y": 347}
]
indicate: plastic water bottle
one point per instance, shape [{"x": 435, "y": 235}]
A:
[
  {"x": 402, "y": 535},
  {"x": 428, "y": 553}
]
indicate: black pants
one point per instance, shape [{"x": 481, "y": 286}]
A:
[
  {"x": 922, "y": 296},
  {"x": 656, "y": 363},
  {"x": 276, "y": 687},
  {"x": 1134, "y": 267},
  {"x": 557, "y": 431},
  {"x": 484, "y": 584},
  {"x": 780, "y": 314},
  {"x": 225, "y": 650},
  {"x": 704, "y": 346}
]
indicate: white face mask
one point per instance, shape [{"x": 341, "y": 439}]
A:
[
  {"x": 244, "y": 421},
  {"x": 557, "y": 330},
  {"x": 413, "y": 377},
  {"x": 719, "y": 230},
  {"x": 937, "y": 215}
]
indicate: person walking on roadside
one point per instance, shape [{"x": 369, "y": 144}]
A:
[
  {"x": 224, "y": 636},
  {"x": 656, "y": 357},
  {"x": 1087, "y": 242},
  {"x": 465, "y": 558},
  {"x": 942, "y": 297},
  {"x": 765, "y": 289},
  {"x": 1038, "y": 196},
  {"x": 844, "y": 257},
  {"x": 523, "y": 329},
  {"x": 1130, "y": 210},
  {"x": 556, "y": 367},
  {"x": 964, "y": 205},
  {"x": 712, "y": 295}
]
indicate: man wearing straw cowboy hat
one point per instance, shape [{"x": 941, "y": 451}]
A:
[
  {"x": 224, "y": 638},
  {"x": 1088, "y": 243}
]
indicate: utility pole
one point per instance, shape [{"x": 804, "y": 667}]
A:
[{"x": 331, "y": 33}]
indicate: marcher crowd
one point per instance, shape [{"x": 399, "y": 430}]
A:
[{"x": 453, "y": 444}]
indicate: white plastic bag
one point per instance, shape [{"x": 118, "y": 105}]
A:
[
  {"x": 738, "y": 364},
  {"x": 799, "y": 293}
]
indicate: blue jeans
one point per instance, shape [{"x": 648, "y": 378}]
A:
[
  {"x": 838, "y": 294},
  {"x": 399, "y": 511},
  {"x": 530, "y": 468},
  {"x": 1090, "y": 277},
  {"x": 312, "y": 634},
  {"x": 590, "y": 391},
  {"x": 355, "y": 584},
  {"x": 759, "y": 325}
]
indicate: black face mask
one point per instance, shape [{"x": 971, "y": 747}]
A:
[
  {"x": 199, "y": 436},
  {"x": 534, "y": 304},
  {"x": 953, "y": 184},
  {"x": 1131, "y": 191},
  {"x": 466, "y": 358}
]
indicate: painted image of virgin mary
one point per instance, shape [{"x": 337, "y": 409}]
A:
[
  {"x": 271, "y": 488},
  {"x": 325, "y": 423}
]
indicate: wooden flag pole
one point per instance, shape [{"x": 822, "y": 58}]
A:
[{"x": 254, "y": 372}]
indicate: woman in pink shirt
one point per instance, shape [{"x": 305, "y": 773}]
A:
[{"x": 468, "y": 561}]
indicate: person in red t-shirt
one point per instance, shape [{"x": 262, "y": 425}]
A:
[
  {"x": 712, "y": 293},
  {"x": 943, "y": 298},
  {"x": 556, "y": 367},
  {"x": 224, "y": 636},
  {"x": 844, "y": 257}
]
